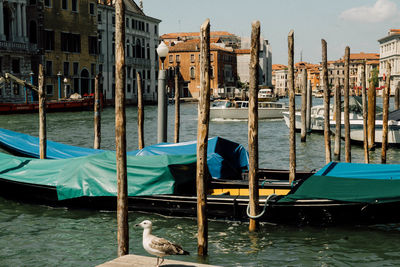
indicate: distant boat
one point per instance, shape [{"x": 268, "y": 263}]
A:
[
  {"x": 266, "y": 95},
  {"x": 317, "y": 114},
  {"x": 357, "y": 128},
  {"x": 239, "y": 110}
]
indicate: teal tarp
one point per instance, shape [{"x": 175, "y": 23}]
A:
[
  {"x": 351, "y": 182},
  {"x": 95, "y": 175}
]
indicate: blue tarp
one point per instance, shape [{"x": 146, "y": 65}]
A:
[{"x": 225, "y": 159}]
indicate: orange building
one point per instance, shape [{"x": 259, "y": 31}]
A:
[{"x": 184, "y": 57}]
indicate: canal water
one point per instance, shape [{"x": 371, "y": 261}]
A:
[{"x": 34, "y": 235}]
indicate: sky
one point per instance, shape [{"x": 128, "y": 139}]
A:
[{"x": 354, "y": 23}]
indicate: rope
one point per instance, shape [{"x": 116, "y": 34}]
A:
[{"x": 264, "y": 209}]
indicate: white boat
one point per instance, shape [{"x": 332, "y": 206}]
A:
[
  {"x": 317, "y": 114},
  {"x": 267, "y": 95},
  {"x": 239, "y": 110},
  {"x": 357, "y": 128}
]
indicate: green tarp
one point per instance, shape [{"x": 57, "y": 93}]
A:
[{"x": 95, "y": 175}]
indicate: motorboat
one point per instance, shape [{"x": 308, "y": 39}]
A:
[{"x": 239, "y": 110}]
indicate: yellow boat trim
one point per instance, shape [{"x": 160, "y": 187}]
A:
[{"x": 245, "y": 191}]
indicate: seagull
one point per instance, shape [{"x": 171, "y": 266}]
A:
[{"x": 158, "y": 246}]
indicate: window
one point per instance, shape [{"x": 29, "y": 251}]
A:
[
  {"x": 171, "y": 58},
  {"x": 49, "y": 68},
  {"x": 212, "y": 57},
  {"x": 99, "y": 17},
  {"x": 49, "y": 40},
  {"x": 74, "y": 6},
  {"x": 71, "y": 42},
  {"x": 129, "y": 88},
  {"x": 47, "y": 3},
  {"x": 93, "y": 45},
  {"x": 1, "y": 64},
  {"x": 75, "y": 67},
  {"x": 113, "y": 20},
  {"x": 127, "y": 23},
  {"x": 147, "y": 27},
  {"x": 15, "y": 65},
  {"x": 178, "y": 58},
  {"x": 64, "y": 4},
  {"x": 32, "y": 2},
  {"x": 128, "y": 72},
  {"x": 15, "y": 87},
  {"x": 91, "y": 9},
  {"x": 148, "y": 74},
  {"x": 66, "y": 68},
  {"x": 93, "y": 69},
  {"x": 155, "y": 30},
  {"x": 192, "y": 73},
  {"x": 101, "y": 68},
  {"x": 49, "y": 89},
  {"x": 192, "y": 58},
  {"x": 133, "y": 26}
]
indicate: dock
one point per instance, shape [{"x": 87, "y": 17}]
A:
[{"x": 140, "y": 261}]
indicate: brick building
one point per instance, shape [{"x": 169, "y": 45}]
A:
[{"x": 184, "y": 57}]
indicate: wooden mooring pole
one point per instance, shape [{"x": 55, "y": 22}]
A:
[
  {"x": 42, "y": 115},
  {"x": 371, "y": 114},
  {"x": 140, "y": 112},
  {"x": 347, "y": 147},
  {"x": 304, "y": 107},
  {"x": 202, "y": 139},
  {"x": 365, "y": 113},
  {"x": 327, "y": 95},
  {"x": 338, "y": 120},
  {"x": 309, "y": 105},
  {"x": 292, "y": 111},
  {"x": 177, "y": 109},
  {"x": 253, "y": 124},
  {"x": 120, "y": 130},
  {"x": 386, "y": 95},
  {"x": 97, "y": 113}
]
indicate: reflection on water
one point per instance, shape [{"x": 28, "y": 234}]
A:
[{"x": 32, "y": 235}]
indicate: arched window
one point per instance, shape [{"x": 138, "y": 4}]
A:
[
  {"x": 192, "y": 73},
  {"x": 32, "y": 32},
  {"x": 138, "y": 49}
]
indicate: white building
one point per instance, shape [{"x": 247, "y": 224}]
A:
[
  {"x": 141, "y": 33},
  {"x": 281, "y": 82},
  {"x": 390, "y": 53},
  {"x": 265, "y": 62}
]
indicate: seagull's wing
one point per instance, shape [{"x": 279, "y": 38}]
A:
[{"x": 166, "y": 247}]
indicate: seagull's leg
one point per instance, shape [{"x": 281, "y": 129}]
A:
[
  {"x": 157, "y": 262},
  {"x": 162, "y": 260}
]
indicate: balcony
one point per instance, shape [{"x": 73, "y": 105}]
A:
[
  {"x": 140, "y": 62},
  {"x": 15, "y": 46}
]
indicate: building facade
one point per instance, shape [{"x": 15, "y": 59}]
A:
[
  {"x": 141, "y": 41},
  {"x": 184, "y": 58},
  {"x": 19, "y": 45},
  {"x": 389, "y": 48}
]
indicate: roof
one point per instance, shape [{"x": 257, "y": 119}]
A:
[
  {"x": 193, "y": 34},
  {"x": 132, "y": 6},
  {"x": 278, "y": 67},
  {"x": 194, "y": 47}
]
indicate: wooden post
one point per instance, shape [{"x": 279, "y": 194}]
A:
[
  {"x": 371, "y": 115},
  {"x": 140, "y": 112},
  {"x": 327, "y": 95},
  {"x": 97, "y": 113},
  {"x": 347, "y": 147},
  {"x": 365, "y": 114},
  {"x": 309, "y": 105},
  {"x": 304, "y": 107},
  {"x": 177, "y": 108},
  {"x": 202, "y": 139},
  {"x": 253, "y": 124},
  {"x": 386, "y": 95},
  {"x": 120, "y": 130},
  {"x": 42, "y": 116},
  {"x": 396, "y": 97},
  {"x": 338, "y": 120},
  {"x": 292, "y": 111}
]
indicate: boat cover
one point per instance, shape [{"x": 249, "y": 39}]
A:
[
  {"x": 95, "y": 175},
  {"x": 225, "y": 159},
  {"x": 351, "y": 182}
]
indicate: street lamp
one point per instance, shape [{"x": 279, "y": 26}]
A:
[
  {"x": 59, "y": 85},
  {"x": 162, "y": 51},
  {"x": 65, "y": 87}
]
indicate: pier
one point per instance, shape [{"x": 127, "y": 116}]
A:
[{"x": 139, "y": 261}]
